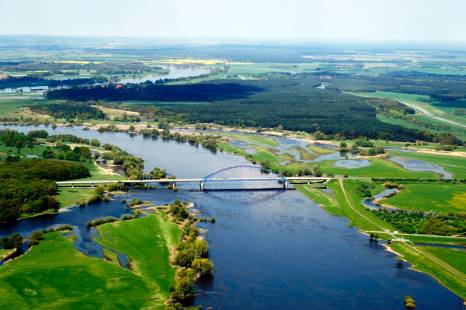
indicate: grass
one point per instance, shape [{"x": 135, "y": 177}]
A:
[
  {"x": 37, "y": 150},
  {"x": 4, "y": 252},
  {"x": 12, "y": 107},
  {"x": 433, "y": 239},
  {"x": 352, "y": 207},
  {"x": 454, "y": 257},
  {"x": 305, "y": 154},
  {"x": 98, "y": 173},
  {"x": 437, "y": 197},
  {"x": 379, "y": 167},
  {"x": 425, "y": 264},
  {"x": 423, "y": 102},
  {"x": 147, "y": 242},
  {"x": 68, "y": 196},
  {"x": 227, "y": 147},
  {"x": 252, "y": 139},
  {"x": 453, "y": 164},
  {"x": 325, "y": 200},
  {"x": 55, "y": 274}
]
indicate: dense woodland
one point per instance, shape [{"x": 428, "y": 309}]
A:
[
  {"x": 69, "y": 110},
  {"x": 449, "y": 89},
  {"x": 27, "y": 185},
  {"x": 31, "y": 81},
  {"x": 295, "y": 104},
  {"x": 291, "y": 103},
  {"x": 149, "y": 91}
]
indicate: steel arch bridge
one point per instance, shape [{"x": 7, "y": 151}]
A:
[{"x": 210, "y": 177}]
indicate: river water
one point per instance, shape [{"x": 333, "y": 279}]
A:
[{"x": 271, "y": 249}]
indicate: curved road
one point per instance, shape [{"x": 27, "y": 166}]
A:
[{"x": 425, "y": 112}]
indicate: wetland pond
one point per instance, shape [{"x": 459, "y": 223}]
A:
[{"x": 272, "y": 249}]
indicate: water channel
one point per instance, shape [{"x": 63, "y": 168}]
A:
[{"x": 271, "y": 249}]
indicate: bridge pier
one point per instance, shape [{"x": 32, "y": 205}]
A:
[
  {"x": 285, "y": 185},
  {"x": 201, "y": 185},
  {"x": 173, "y": 186}
]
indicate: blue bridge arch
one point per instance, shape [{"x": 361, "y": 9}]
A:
[{"x": 209, "y": 176}]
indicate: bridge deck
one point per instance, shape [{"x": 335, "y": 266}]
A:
[{"x": 191, "y": 180}]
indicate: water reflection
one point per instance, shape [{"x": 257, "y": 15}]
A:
[{"x": 271, "y": 249}]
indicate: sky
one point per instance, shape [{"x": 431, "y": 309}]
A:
[{"x": 362, "y": 20}]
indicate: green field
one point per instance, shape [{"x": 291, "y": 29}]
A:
[
  {"x": 100, "y": 174},
  {"x": 147, "y": 242},
  {"x": 55, "y": 274},
  {"x": 68, "y": 196},
  {"x": 247, "y": 69},
  {"x": 37, "y": 150},
  {"x": 426, "y": 103},
  {"x": 325, "y": 200},
  {"x": 424, "y": 263},
  {"x": 437, "y": 197},
  {"x": 379, "y": 167},
  {"x": 252, "y": 139},
  {"x": 454, "y": 257},
  {"x": 453, "y": 164}
]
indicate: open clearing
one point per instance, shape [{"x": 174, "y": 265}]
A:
[{"x": 437, "y": 197}]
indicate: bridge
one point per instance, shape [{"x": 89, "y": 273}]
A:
[{"x": 285, "y": 181}]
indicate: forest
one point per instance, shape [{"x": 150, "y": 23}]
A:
[
  {"x": 69, "y": 110},
  {"x": 295, "y": 104},
  {"x": 283, "y": 101},
  {"x": 31, "y": 81},
  {"x": 27, "y": 185},
  {"x": 447, "y": 88},
  {"x": 149, "y": 91}
]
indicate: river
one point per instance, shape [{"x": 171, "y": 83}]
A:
[{"x": 271, "y": 249}]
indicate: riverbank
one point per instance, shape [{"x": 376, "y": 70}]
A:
[
  {"x": 348, "y": 205},
  {"x": 274, "y": 223},
  {"x": 138, "y": 262}
]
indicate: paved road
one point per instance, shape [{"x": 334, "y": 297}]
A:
[{"x": 425, "y": 112}]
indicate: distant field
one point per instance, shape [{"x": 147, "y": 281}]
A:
[
  {"x": 437, "y": 197},
  {"x": 423, "y": 103},
  {"x": 259, "y": 68},
  {"x": 10, "y": 107}
]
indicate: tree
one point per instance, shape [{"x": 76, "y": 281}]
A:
[
  {"x": 158, "y": 173},
  {"x": 19, "y": 145},
  {"x": 203, "y": 266},
  {"x": 409, "y": 303},
  {"x": 95, "y": 142},
  {"x": 14, "y": 241}
]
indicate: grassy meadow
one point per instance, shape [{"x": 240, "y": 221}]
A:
[
  {"x": 55, "y": 274},
  {"x": 436, "y": 197},
  {"x": 147, "y": 242}
]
